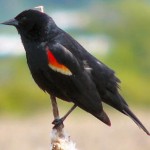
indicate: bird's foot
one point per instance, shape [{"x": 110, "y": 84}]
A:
[{"x": 57, "y": 123}]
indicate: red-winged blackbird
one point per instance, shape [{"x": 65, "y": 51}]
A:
[{"x": 64, "y": 69}]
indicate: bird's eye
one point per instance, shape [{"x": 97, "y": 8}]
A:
[{"x": 22, "y": 19}]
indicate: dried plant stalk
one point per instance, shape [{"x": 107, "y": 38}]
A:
[{"x": 59, "y": 139}]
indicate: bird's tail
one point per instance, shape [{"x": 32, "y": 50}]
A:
[
  {"x": 119, "y": 103},
  {"x": 129, "y": 113},
  {"x": 103, "y": 117}
]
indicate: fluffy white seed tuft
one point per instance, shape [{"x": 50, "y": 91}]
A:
[{"x": 61, "y": 142}]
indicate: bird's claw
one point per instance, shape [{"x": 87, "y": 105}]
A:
[{"x": 57, "y": 123}]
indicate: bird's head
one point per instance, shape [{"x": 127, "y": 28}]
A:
[{"x": 33, "y": 24}]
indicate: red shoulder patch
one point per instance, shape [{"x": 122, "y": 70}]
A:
[{"x": 55, "y": 65}]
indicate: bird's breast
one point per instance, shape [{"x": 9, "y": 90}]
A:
[{"x": 36, "y": 57}]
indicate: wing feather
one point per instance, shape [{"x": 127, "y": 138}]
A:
[{"x": 61, "y": 60}]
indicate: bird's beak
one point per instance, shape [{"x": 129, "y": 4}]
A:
[{"x": 12, "y": 22}]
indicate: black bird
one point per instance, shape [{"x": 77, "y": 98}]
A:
[{"x": 63, "y": 68}]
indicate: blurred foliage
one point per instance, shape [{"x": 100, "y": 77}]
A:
[
  {"x": 126, "y": 23},
  {"x": 18, "y": 91}
]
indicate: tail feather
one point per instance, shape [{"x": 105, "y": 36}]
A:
[
  {"x": 120, "y": 104},
  {"x": 129, "y": 113},
  {"x": 104, "y": 118}
]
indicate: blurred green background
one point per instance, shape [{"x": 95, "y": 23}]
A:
[{"x": 116, "y": 31}]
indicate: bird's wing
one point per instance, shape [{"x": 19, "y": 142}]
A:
[
  {"x": 62, "y": 60},
  {"x": 71, "y": 76},
  {"x": 107, "y": 84}
]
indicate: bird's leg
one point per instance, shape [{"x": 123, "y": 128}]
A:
[
  {"x": 67, "y": 114},
  {"x": 54, "y": 107},
  {"x": 56, "y": 113},
  {"x": 58, "y": 121}
]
